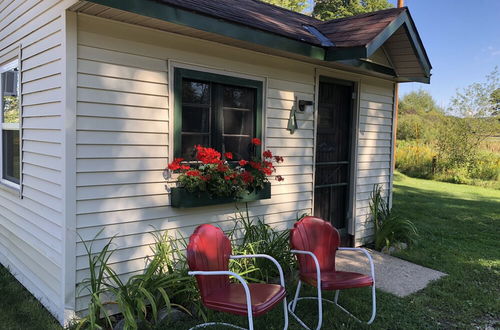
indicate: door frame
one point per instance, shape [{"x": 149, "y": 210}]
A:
[{"x": 355, "y": 109}]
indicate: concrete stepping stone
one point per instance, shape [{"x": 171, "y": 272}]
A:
[{"x": 392, "y": 274}]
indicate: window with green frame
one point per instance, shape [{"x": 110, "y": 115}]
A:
[{"x": 218, "y": 111}]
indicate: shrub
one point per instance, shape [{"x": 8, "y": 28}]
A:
[
  {"x": 260, "y": 238},
  {"x": 140, "y": 298},
  {"x": 415, "y": 159},
  {"x": 389, "y": 229}
]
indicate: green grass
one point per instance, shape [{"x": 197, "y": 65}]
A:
[
  {"x": 19, "y": 309},
  {"x": 459, "y": 230}
]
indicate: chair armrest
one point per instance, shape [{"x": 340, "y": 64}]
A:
[
  {"x": 227, "y": 272},
  {"x": 316, "y": 262},
  {"x": 280, "y": 270},
  {"x": 370, "y": 259}
]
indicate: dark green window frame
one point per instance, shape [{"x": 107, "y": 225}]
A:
[{"x": 181, "y": 73}]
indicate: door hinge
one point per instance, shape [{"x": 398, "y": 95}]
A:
[{"x": 354, "y": 95}]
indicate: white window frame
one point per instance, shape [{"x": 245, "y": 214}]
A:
[{"x": 10, "y": 126}]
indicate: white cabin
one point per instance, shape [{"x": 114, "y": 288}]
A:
[{"x": 91, "y": 116}]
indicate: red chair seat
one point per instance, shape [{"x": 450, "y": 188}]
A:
[
  {"x": 233, "y": 299},
  {"x": 336, "y": 280}
]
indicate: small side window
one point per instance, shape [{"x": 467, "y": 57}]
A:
[{"x": 10, "y": 137}]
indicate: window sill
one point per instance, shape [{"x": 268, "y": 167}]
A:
[{"x": 9, "y": 187}]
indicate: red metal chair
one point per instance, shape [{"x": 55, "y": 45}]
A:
[
  {"x": 315, "y": 243},
  {"x": 208, "y": 254}
]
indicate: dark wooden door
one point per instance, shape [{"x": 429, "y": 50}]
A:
[{"x": 333, "y": 153}]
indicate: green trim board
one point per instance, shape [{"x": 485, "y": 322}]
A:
[
  {"x": 181, "y": 73},
  {"x": 205, "y": 23},
  {"x": 370, "y": 66}
]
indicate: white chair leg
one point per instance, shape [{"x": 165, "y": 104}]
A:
[
  {"x": 297, "y": 291},
  {"x": 318, "y": 298},
  {"x": 285, "y": 312},
  {"x": 374, "y": 306}
]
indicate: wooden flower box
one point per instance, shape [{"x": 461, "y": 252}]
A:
[{"x": 181, "y": 198}]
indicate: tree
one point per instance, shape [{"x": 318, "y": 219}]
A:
[
  {"x": 472, "y": 118},
  {"x": 418, "y": 115},
  {"x": 295, "y": 5},
  {"x": 420, "y": 102},
  {"x": 332, "y": 9}
]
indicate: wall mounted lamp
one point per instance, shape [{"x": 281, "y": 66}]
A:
[
  {"x": 299, "y": 106},
  {"x": 306, "y": 106}
]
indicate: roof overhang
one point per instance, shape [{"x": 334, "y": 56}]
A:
[
  {"x": 361, "y": 52},
  {"x": 206, "y": 23},
  {"x": 353, "y": 57}
]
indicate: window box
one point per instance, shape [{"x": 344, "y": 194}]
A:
[{"x": 181, "y": 198}]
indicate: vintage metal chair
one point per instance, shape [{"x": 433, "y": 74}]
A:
[
  {"x": 208, "y": 254},
  {"x": 315, "y": 243}
]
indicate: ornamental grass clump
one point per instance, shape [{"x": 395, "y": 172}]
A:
[{"x": 221, "y": 176}]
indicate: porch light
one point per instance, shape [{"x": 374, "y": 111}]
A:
[{"x": 306, "y": 106}]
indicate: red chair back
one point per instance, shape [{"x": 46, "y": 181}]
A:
[
  {"x": 319, "y": 237},
  {"x": 209, "y": 250}
]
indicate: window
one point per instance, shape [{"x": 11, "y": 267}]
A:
[
  {"x": 218, "y": 111},
  {"x": 9, "y": 85}
]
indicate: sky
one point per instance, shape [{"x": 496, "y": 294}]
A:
[{"x": 462, "y": 40}]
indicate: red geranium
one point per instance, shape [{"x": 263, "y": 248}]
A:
[
  {"x": 247, "y": 177},
  {"x": 222, "y": 168},
  {"x": 267, "y": 154},
  {"x": 218, "y": 177},
  {"x": 207, "y": 155},
  {"x": 176, "y": 164},
  {"x": 279, "y": 178},
  {"x": 255, "y": 165},
  {"x": 193, "y": 173},
  {"x": 256, "y": 141}
]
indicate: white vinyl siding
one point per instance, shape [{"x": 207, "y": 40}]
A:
[
  {"x": 31, "y": 228},
  {"x": 123, "y": 137},
  {"x": 374, "y": 151}
]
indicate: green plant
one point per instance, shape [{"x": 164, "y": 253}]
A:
[
  {"x": 415, "y": 159},
  {"x": 260, "y": 238},
  {"x": 143, "y": 295},
  {"x": 389, "y": 228},
  {"x": 96, "y": 286},
  {"x": 220, "y": 176}
]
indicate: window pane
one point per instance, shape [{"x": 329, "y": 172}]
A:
[
  {"x": 195, "y": 92},
  {"x": 239, "y": 146},
  {"x": 189, "y": 141},
  {"x": 238, "y": 122},
  {"x": 195, "y": 119},
  {"x": 239, "y": 97},
  {"x": 10, "y": 96},
  {"x": 11, "y": 155}
]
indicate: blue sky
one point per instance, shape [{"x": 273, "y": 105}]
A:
[{"x": 462, "y": 39}]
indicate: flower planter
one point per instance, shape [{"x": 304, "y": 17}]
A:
[{"x": 181, "y": 198}]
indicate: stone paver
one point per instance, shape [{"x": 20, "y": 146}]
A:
[{"x": 392, "y": 274}]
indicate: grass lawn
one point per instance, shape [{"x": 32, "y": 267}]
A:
[{"x": 459, "y": 230}]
